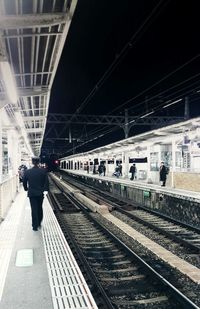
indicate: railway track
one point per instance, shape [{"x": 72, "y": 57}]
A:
[
  {"x": 122, "y": 278},
  {"x": 182, "y": 234}
]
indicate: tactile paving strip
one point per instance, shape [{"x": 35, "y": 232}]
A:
[{"x": 68, "y": 286}]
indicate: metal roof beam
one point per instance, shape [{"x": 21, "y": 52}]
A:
[
  {"x": 32, "y": 92},
  {"x": 32, "y": 20},
  {"x": 109, "y": 120},
  {"x": 34, "y": 130},
  {"x": 33, "y": 118},
  {"x": 28, "y": 35}
]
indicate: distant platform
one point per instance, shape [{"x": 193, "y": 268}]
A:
[
  {"x": 179, "y": 204},
  {"x": 140, "y": 184}
]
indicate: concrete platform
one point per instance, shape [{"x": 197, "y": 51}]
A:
[
  {"x": 178, "y": 204},
  {"x": 37, "y": 269},
  {"x": 193, "y": 195}
]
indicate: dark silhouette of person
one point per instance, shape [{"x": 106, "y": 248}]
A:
[
  {"x": 117, "y": 171},
  {"x": 35, "y": 181},
  {"x": 21, "y": 171},
  {"x": 120, "y": 169},
  {"x": 100, "y": 170},
  {"x": 132, "y": 171},
  {"x": 104, "y": 170},
  {"x": 163, "y": 174}
]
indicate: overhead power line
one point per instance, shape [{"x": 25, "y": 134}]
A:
[
  {"x": 157, "y": 83},
  {"x": 154, "y": 13},
  {"x": 100, "y": 134},
  {"x": 172, "y": 97}
]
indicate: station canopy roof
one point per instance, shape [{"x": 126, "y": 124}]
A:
[
  {"x": 164, "y": 135},
  {"x": 32, "y": 36}
]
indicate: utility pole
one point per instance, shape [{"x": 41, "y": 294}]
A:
[
  {"x": 126, "y": 125},
  {"x": 70, "y": 135},
  {"x": 187, "y": 108}
]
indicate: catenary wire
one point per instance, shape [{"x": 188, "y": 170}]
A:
[
  {"x": 166, "y": 98},
  {"x": 92, "y": 138},
  {"x": 154, "y": 13},
  {"x": 155, "y": 84}
]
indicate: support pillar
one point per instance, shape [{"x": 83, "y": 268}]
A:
[
  {"x": 173, "y": 162},
  {"x": 125, "y": 161},
  {"x": 149, "y": 180},
  {"x": 0, "y": 148},
  {"x": 70, "y": 136},
  {"x": 13, "y": 152}
]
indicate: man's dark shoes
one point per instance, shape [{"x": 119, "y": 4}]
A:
[{"x": 34, "y": 229}]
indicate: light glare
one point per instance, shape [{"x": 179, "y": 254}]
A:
[{"x": 8, "y": 81}]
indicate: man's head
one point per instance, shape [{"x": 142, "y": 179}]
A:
[{"x": 35, "y": 161}]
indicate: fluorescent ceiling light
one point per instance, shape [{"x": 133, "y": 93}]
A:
[
  {"x": 8, "y": 81},
  {"x": 172, "y": 103},
  {"x": 20, "y": 123}
]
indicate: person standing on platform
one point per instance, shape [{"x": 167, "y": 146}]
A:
[
  {"x": 120, "y": 169},
  {"x": 117, "y": 171},
  {"x": 132, "y": 171},
  {"x": 100, "y": 170},
  {"x": 104, "y": 170},
  {"x": 35, "y": 181},
  {"x": 163, "y": 174}
]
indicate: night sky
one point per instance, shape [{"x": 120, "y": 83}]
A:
[{"x": 118, "y": 55}]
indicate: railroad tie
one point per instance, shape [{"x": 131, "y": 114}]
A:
[{"x": 184, "y": 267}]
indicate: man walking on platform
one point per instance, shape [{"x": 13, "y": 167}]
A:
[{"x": 35, "y": 181}]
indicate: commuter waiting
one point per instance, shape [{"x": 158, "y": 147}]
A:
[
  {"x": 120, "y": 169},
  {"x": 117, "y": 171},
  {"x": 163, "y": 174},
  {"x": 132, "y": 171},
  {"x": 104, "y": 170},
  {"x": 100, "y": 170}
]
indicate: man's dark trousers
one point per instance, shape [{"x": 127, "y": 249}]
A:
[{"x": 36, "y": 210}]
